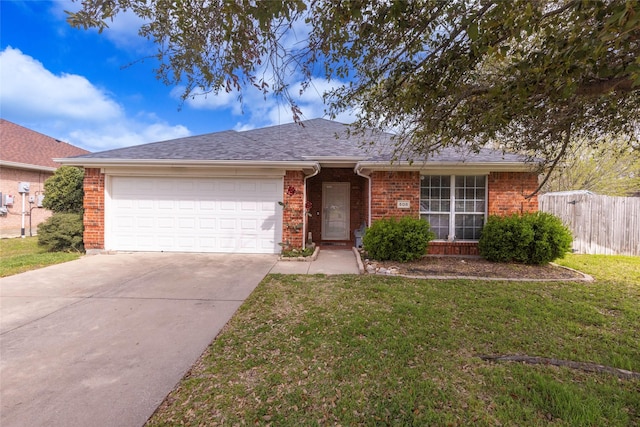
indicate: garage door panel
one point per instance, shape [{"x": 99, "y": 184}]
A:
[
  {"x": 226, "y": 186},
  {"x": 146, "y": 224},
  {"x": 206, "y": 205},
  {"x": 194, "y": 214},
  {"x": 165, "y": 242},
  {"x": 207, "y": 223},
  {"x": 205, "y": 186},
  {"x": 124, "y": 204},
  {"x": 248, "y": 206},
  {"x": 186, "y": 205},
  {"x": 249, "y": 225},
  {"x": 165, "y": 204},
  {"x": 145, "y": 204},
  {"x": 125, "y": 222},
  {"x": 186, "y": 224},
  {"x": 164, "y": 222},
  {"x": 248, "y": 245},
  {"x": 227, "y": 224},
  {"x": 228, "y": 244}
]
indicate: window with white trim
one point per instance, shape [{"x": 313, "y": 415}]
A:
[{"x": 454, "y": 205}]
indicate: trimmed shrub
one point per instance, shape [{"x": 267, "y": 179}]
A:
[
  {"x": 397, "y": 240},
  {"x": 530, "y": 238},
  {"x": 62, "y": 232},
  {"x": 63, "y": 190}
]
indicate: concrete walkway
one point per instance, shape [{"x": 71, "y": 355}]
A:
[{"x": 329, "y": 261}]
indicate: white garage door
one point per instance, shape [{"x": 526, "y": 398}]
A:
[{"x": 194, "y": 214}]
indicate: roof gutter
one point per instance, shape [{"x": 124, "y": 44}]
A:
[
  {"x": 431, "y": 165},
  {"x": 364, "y": 169},
  {"x": 345, "y": 159},
  {"x": 358, "y": 171}
]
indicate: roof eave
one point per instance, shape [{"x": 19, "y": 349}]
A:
[
  {"x": 150, "y": 163},
  {"x": 369, "y": 166},
  {"x": 27, "y": 166}
]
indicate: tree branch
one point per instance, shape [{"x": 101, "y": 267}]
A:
[
  {"x": 563, "y": 149},
  {"x": 600, "y": 87},
  {"x": 584, "y": 366}
]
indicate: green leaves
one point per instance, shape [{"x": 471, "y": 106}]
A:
[
  {"x": 62, "y": 232},
  {"x": 530, "y": 238},
  {"x": 63, "y": 191},
  {"x": 472, "y": 31},
  {"x": 401, "y": 240},
  {"x": 514, "y": 73}
]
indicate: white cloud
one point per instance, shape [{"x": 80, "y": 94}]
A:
[
  {"x": 130, "y": 134},
  {"x": 70, "y": 107},
  {"x": 28, "y": 86},
  {"x": 257, "y": 110}
]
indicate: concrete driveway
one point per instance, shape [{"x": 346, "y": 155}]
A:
[{"x": 102, "y": 340}]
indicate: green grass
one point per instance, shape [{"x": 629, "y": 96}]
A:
[
  {"x": 372, "y": 350},
  {"x": 20, "y": 255}
]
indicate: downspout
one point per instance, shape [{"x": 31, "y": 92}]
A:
[
  {"x": 357, "y": 170},
  {"x": 304, "y": 198}
]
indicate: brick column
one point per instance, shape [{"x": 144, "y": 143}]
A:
[
  {"x": 93, "y": 209},
  {"x": 293, "y": 213}
]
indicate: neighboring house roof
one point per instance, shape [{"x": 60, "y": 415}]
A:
[
  {"x": 313, "y": 141},
  {"x": 23, "y": 148}
]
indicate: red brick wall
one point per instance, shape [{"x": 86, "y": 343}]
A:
[
  {"x": 293, "y": 213},
  {"x": 358, "y": 195},
  {"x": 11, "y": 224},
  {"x": 453, "y": 248},
  {"x": 388, "y": 188},
  {"x": 93, "y": 209},
  {"x": 507, "y": 192}
]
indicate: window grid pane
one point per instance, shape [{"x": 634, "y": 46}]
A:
[
  {"x": 470, "y": 194},
  {"x": 468, "y": 226},
  {"x": 468, "y": 207},
  {"x": 439, "y": 224}
]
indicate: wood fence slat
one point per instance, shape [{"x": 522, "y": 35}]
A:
[{"x": 600, "y": 224}]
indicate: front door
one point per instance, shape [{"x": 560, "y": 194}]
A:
[{"x": 335, "y": 210}]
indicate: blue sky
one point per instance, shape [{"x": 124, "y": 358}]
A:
[{"x": 93, "y": 91}]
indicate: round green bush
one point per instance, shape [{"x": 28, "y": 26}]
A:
[
  {"x": 530, "y": 238},
  {"x": 64, "y": 190},
  {"x": 397, "y": 240},
  {"x": 62, "y": 232}
]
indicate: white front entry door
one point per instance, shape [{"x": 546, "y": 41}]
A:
[{"x": 335, "y": 210}]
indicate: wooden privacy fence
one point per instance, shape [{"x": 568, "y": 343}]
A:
[{"x": 600, "y": 224}]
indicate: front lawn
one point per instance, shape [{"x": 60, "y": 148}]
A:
[
  {"x": 374, "y": 350},
  {"x": 20, "y": 255}
]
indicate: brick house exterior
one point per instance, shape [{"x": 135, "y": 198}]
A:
[
  {"x": 26, "y": 156},
  {"x": 93, "y": 209},
  {"x": 372, "y": 187}
]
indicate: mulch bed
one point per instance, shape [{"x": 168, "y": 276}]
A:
[{"x": 470, "y": 267}]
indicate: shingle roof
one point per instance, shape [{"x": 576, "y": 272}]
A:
[
  {"x": 21, "y": 145},
  {"x": 313, "y": 140}
]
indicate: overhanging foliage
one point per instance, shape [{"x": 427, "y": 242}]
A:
[{"x": 526, "y": 76}]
